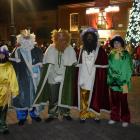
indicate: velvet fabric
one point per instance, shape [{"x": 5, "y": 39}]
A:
[
  {"x": 22, "y": 114},
  {"x": 120, "y": 70},
  {"x": 100, "y": 95},
  {"x": 119, "y": 102},
  {"x": 25, "y": 80}
]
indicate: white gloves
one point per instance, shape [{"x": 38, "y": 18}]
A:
[
  {"x": 34, "y": 75},
  {"x": 14, "y": 96},
  {"x": 58, "y": 79}
]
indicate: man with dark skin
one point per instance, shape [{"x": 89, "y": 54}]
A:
[{"x": 91, "y": 75}]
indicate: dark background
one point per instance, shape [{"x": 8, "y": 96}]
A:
[{"x": 35, "y": 5}]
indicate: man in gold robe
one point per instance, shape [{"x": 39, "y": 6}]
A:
[{"x": 8, "y": 87}]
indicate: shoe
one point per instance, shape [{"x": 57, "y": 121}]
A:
[
  {"x": 68, "y": 118},
  {"x": 21, "y": 122},
  {"x": 111, "y": 122},
  {"x": 38, "y": 119},
  {"x": 97, "y": 120},
  {"x": 124, "y": 124},
  {"x": 6, "y": 132},
  {"x": 82, "y": 120},
  {"x": 49, "y": 120}
]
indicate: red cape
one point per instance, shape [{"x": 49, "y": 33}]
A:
[{"x": 100, "y": 96}]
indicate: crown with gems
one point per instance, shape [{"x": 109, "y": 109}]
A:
[{"x": 25, "y": 32}]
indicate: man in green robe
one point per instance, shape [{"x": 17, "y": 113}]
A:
[
  {"x": 57, "y": 81},
  {"x": 118, "y": 79}
]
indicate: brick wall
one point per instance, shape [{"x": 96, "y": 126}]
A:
[
  {"x": 36, "y": 22},
  {"x": 120, "y": 17}
]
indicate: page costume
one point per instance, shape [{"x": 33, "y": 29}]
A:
[{"x": 118, "y": 79}]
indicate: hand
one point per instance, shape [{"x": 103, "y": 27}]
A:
[
  {"x": 14, "y": 96},
  {"x": 34, "y": 75},
  {"x": 58, "y": 79},
  {"x": 114, "y": 84}
]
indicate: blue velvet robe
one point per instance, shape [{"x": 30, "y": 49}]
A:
[{"x": 24, "y": 72}]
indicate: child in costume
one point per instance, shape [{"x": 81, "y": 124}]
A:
[
  {"x": 118, "y": 79},
  {"x": 8, "y": 87}
]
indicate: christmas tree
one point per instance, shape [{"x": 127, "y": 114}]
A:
[{"x": 133, "y": 31}]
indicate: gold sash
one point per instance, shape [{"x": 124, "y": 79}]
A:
[
  {"x": 7, "y": 98},
  {"x": 119, "y": 51}
]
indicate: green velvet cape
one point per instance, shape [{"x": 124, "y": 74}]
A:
[{"x": 65, "y": 98}]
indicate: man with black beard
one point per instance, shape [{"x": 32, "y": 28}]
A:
[
  {"x": 91, "y": 87},
  {"x": 8, "y": 87},
  {"x": 27, "y": 61}
]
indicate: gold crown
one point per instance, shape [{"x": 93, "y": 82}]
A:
[
  {"x": 62, "y": 30},
  {"x": 25, "y": 32}
]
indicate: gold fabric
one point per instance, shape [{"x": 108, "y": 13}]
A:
[
  {"x": 7, "y": 98},
  {"x": 84, "y": 104},
  {"x": 8, "y": 84},
  {"x": 125, "y": 88},
  {"x": 119, "y": 51}
]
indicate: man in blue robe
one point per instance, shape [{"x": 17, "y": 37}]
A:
[{"x": 27, "y": 62}]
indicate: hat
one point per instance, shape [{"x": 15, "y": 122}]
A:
[
  {"x": 116, "y": 38},
  {"x": 4, "y": 50},
  {"x": 89, "y": 30},
  {"x": 25, "y": 32}
]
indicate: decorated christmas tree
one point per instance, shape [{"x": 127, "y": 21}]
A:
[{"x": 133, "y": 31}]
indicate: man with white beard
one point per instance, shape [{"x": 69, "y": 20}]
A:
[{"x": 27, "y": 62}]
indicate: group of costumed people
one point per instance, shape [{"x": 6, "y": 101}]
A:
[{"x": 64, "y": 79}]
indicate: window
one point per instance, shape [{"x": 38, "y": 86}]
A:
[
  {"x": 74, "y": 22},
  {"x": 102, "y": 20},
  {"x": 44, "y": 18}
]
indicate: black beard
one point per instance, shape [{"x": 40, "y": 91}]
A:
[
  {"x": 4, "y": 60},
  {"x": 89, "y": 45}
]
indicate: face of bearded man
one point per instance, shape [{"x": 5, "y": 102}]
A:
[
  {"x": 90, "y": 42},
  {"x": 27, "y": 43},
  {"x": 61, "y": 42}
]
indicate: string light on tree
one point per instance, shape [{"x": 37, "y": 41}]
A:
[{"x": 133, "y": 31}]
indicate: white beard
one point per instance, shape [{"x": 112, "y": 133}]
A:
[{"x": 27, "y": 44}]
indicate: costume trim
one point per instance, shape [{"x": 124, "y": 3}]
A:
[
  {"x": 97, "y": 66},
  {"x": 30, "y": 68},
  {"x": 93, "y": 81},
  {"x": 69, "y": 51},
  {"x": 44, "y": 82}
]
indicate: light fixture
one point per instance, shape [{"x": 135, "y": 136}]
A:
[
  {"x": 92, "y": 10},
  {"x": 112, "y": 9}
]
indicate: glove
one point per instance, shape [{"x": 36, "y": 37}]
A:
[
  {"x": 58, "y": 79},
  {"x": 14, "y": 96},
  {"x": 114, "y": 84},
  {"x": 34, "y": 75}
]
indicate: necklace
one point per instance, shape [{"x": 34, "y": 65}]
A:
[{"x": 89, "y": 62}]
